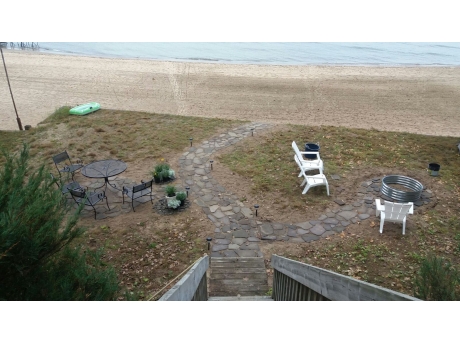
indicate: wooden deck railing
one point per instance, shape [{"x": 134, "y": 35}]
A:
[
  {"x": 191, "y": 287},
  {"x": 296, "y": 281}
]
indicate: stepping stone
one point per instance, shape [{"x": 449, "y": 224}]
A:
[
  {"x": 253, "y": 239},
  {"x": 240, "y": 234},
  {"x": 331, "y": 221},
  {"x": 310, "y": 237},
  {"x": 233, "y": 247},
  {"x": 218, "y": 214},
  {"x": 339, "y": 201},
  {"x": 330, "y": 214},
  {"x": 345, "y": 223},
  {"x": 335, "y": 177},
  {"x": 269, "y": 237},
  {"x": 277, "y": 226},
  {"x": 296, "y": 240},
  {"x": 338, "y": 228},
  {"x": 226, "y": 228},
  {"x": 238, "y": 241},
  {"x": 304, "y": 225},
  {"x": 366, "y": 184},
  {"x": 253, "y": 247},
  {"x": 229, "y": 253},
  {"x": 222, "y": 241},
  {"x": 317, "y": 229},
  {"x": 213, "y": 208},
  {"x": 347, "y": 207},
  {"x": 292, "y": 233},
  {"x": 301, "y": 231},
  {"x": 227, "y": 208},
  {"x": 327, "y": 233},
  {"x": 246, "y": 212},
  {"x": 266, "y": 229},
  {"x": 322, "y": 217},
  {"x": 219, "y": 247},
  {"x": 348, "y": 214},
  {"x": 363, "y": 216},
  {"x": 356, "y": 204}
]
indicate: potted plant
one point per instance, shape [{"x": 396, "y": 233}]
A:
[
  {"x": 170, "y": 191},
  {"x": 163, "y": 173},
  {"x": 173, "y": 203},
  {"x": 181, "y": 196}
]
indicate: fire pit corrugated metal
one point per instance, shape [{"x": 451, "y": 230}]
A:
[{"x": 399, "y": 195}]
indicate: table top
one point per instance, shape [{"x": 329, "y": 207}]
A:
[{"x": 103, "y": 168}]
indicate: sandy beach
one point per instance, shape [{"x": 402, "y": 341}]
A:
[{"x": 422, "y": 100}]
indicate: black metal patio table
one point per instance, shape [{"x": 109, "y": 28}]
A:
[{"x": 104, "y": 169}]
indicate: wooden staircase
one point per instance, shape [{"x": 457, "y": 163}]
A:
[{"x": 233, "y": 279}]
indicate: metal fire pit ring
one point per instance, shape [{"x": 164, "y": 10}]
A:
[{"x": 398, "y": 195}]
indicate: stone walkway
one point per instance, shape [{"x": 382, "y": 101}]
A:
[{"x": 237, "y": 231}]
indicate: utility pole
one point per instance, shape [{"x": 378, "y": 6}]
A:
[{"x": 14, "y": 104}]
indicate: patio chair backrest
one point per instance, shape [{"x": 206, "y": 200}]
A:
[
  {"x": 61, "y": 157},
  {"x": 299, "y": 155},
  {"x": 76, "y": 193},
  {"x": 396, "y": 211},
  {"x": 142, "y": 186}
]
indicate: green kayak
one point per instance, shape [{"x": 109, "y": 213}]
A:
[{"x": 85, "y": 109}]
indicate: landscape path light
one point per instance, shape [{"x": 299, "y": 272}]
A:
[{"x": 257, "y": 207}]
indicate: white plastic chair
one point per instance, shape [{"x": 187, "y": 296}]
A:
[
  {"x": 394, "y": 212},
  {"x": 308, "y": 165},
  {"x": 311, "y": 181}
]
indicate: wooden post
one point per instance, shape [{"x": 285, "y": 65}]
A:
[{"x": 14, "y": 104}]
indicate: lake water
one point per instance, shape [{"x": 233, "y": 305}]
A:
[{"x": 384, "y": 54}]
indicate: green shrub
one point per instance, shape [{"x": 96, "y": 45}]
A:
[
  {"x": 37, "y": 261},
  {"x": 181, "y": 196},
  {"x": 162, "y": 172},
  {"x": 170, "y": 190},
  {"x": 437, "y": 280}
]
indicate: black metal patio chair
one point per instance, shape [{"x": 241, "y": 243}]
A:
[
  {"x": 89, "y": 198},
  {"x": 65, "y": 188},
  {"x": 64, "y": 164},
  {"x": 143, "y": 189}
]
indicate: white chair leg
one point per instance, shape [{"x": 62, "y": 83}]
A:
[
  {"x": 300, "y": 174},
  {"x": 382, "y": 220},
  {"x": 404, "y": 226},
  {"x": 307, "y": 187},
  {"x": 303, "y": 183}
]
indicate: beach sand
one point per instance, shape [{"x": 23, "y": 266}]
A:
[{"x": 422, "y": 100}]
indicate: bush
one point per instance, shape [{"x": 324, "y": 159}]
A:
[
  {"x": 162, "y": 172},
  {"x": 437, "y": 280},
  {"x": 170, "y": 190},
  {"x": 181, "y": 196},
  {"x": 173, "y": 203},
  {"x": 37, "y": 261}
]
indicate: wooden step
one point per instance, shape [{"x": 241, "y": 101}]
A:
[{"x": 237, "y": 276}]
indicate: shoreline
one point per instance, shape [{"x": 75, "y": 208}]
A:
[
  {"x": 42, "y": 51},
  {"x": 417, "y": 99}
]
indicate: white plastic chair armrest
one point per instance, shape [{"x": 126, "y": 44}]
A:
[
  {"x": 411, "y": 210},
  {"x": 378, "y": 207}
]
